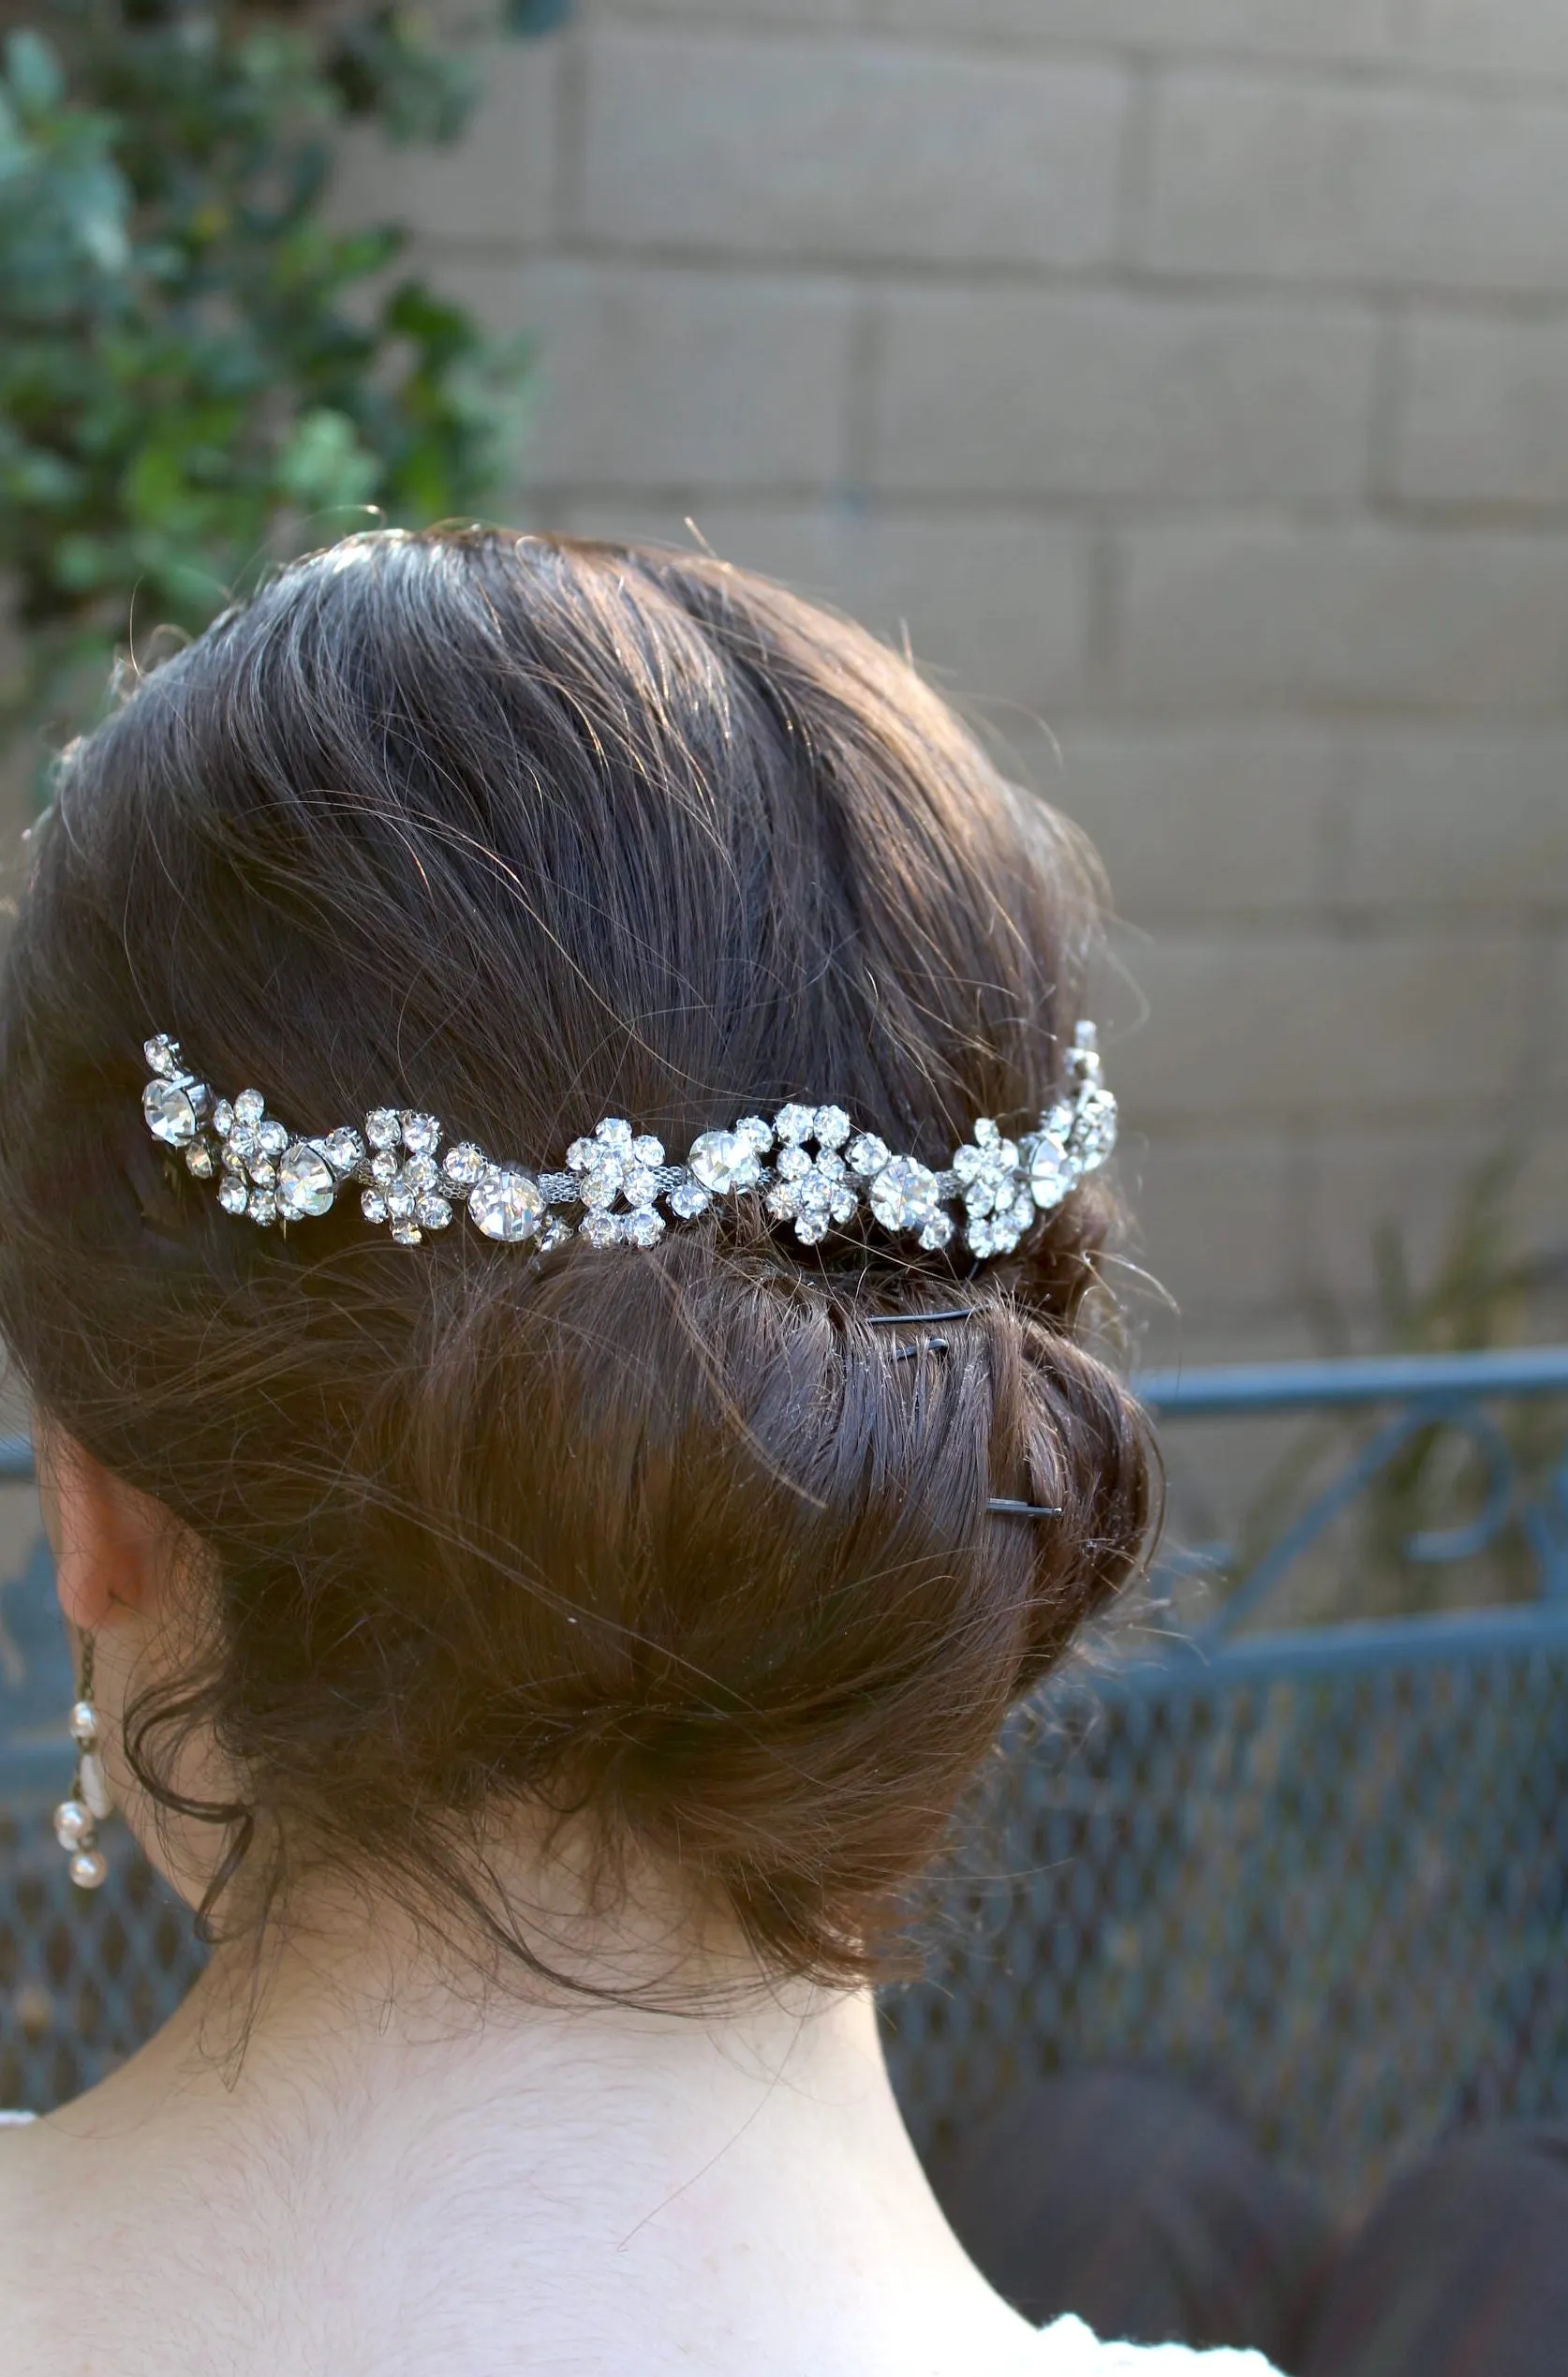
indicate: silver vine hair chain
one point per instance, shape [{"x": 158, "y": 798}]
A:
[{"x": 809, "y": 1165}]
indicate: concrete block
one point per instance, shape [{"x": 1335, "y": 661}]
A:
[
  {"x": 1503, "y": 37},
  {"x": 1541, "y": 1206},
  {"x": 1457, "y": 820},
  {"x": 997, "y": 389},
  {"x": 995, "y": 608},
  {"x": 1212, "y": 1222},
  {"x": 1199, "y": 823},
  {"x": 1370, "y": 185},
  {"x": 498, "y": 183},
  {"x": 654, "y": 377},
  {"x": 832, "y": 150},
  {"x": 1483, "y": 402},
  {"x": 1349, "y": 31},
  {"x": 1307, "y": 1026},
  {"x": 1552, "y": 1037},
  {"x": 784, "y": 14},
  {"x": 1410, "y": 1185},
  {"x": 1260, "y": 614}
]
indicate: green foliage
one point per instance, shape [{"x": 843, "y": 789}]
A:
[{"x": 199, "y": 370}]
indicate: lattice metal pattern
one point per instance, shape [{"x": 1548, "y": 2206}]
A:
[
  {"x": 1339, "y": 1900},
  {"x": 85, "y": 1976}
]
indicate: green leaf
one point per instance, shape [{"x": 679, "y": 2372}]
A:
[
  {"x": 323, "y": 464},
  {"x": 188, "y": 376},
  {"x": 36, "y": 76}
]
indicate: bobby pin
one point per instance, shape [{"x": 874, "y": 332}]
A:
[
  {"x": 1026, "y": 1509},
  {"x": 912, "y": 1352},
  {"x": 917, "y": 1320}
]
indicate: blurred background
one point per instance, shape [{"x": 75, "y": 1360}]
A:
[
  {"x": 1188, "y": 381},
  {"x": 1185, "y": 380}
]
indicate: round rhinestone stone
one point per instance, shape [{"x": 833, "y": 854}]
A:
[
  {"x": 903, "y": 1194},
  {"x": 1050, "y": 1173},
  {"x": 199, "y": 1160},
  {"x": 421, "y": 1134},
  {"x": 306, "y": 1184},
  {"x": 603, "y": 1229},
  {"x": 832, "y": 1126},
  {"x": 272, "y": 1139},
  {"x": 262, "y": 1207},
  {"x": 793, "y": 1123},
  {"x": 1094, "y": 1128},
  {"x": 644, "y": 1227},
  {"x": 613, "y": 1132},
  {"x": 688, "y": 1199},
  {"x": 161, "y": 1054},
  {"x": 433, "y": 1212},
  {"x": 406, "y": 1233},
  {"x": 506, "y": 1205},
  {"x": 373, "y": 1205},
  {"x": 169, "y": 1112},
  {"x": 724, "y": 1160},
  {"x": 222, "y": 1118},
  {"x": 760, "y": 1132},
  {"x": 344, "y": 1150},
  {"x": 383, "y": 1126},
  {"x": 867, "y": 1154},
  {"x": 462, "y": 1164},
  {"x": 233, "y": 1195},
  {"x": 249, "y": 1106}
]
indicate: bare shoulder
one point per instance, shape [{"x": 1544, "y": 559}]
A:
[
  {"x": 1069, "y": 2349},
  {"x": 26, "y": 2252}
]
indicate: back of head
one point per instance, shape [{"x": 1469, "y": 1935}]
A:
[{"x": 527, "y": 833}]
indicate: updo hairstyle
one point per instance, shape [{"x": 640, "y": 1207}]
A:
[{"x": 527, "y": 832}]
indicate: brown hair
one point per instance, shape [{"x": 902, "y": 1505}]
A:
[{"x": 529, "y": 831}]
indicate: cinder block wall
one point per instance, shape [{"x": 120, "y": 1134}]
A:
[{"x": 1189, "y": 379}]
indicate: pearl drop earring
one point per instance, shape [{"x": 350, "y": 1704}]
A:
[{"x": 77, "y": 1818}]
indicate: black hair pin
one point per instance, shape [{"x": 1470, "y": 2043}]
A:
[
  {"x": 918, "y": 1320},
  {"x": 912, "y": 1352},
  {"x": 1001, "y": 1505}
]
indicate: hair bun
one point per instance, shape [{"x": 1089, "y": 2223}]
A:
[{"x": 528, "y": 832}]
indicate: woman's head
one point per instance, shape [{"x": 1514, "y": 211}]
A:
[{"x": 525, "y": 832}]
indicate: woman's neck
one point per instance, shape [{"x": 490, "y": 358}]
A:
[{"x": 736, "y": 2177}]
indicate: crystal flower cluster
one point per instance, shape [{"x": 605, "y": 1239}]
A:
[{"x": 812, "y": 1168}]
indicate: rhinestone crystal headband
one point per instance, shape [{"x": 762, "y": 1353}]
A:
[{"x": 809, "y": 1165}]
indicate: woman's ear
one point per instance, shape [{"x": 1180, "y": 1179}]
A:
[{"x": 106, "y": 1538}]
